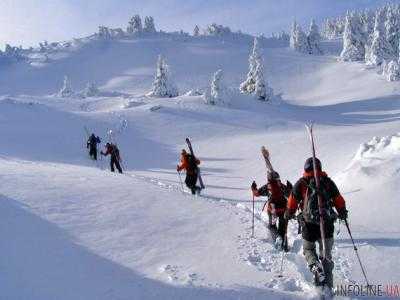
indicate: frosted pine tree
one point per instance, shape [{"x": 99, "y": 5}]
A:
[
  {"x": 391, "y": 71},
  {"x": 196, "y": 31},
  {"x": 135, "y": 25},
  {"x": 91, "y": 90},
  {"x": 248, "y": 86},
  {"x": 367, "y": 19},
  {"x": 293, "y": 38},
  {"x": 314, "y": 39},
  {"x": 66, "y": 90},
  {"x": 392, "y": 31},
  {"x": 328, "y": 29},
  {"x": 262, "y": 91},
  {"x": 380, "y": 49},
  {"x": 216, "y": 94},
  {"x": 298, "y": 39},
  {"x": 104, "y": 33},
  {"x": 353, "y": 40},
  {"x": 149, "y": 26},
  {"x": 163, "y": 86}
]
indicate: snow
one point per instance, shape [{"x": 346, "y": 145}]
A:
[{"x": 73, "y": 230}]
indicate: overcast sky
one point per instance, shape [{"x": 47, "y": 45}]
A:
[{"x": 27, "y": 22}]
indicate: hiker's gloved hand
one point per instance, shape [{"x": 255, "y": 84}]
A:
[
  {"x": 343, "y": 214},
  {"x": 254, "y": 186}
]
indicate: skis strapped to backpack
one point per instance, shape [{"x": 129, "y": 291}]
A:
[
  {"x": 265, "y": 154},
  {"x": 317, "y": 184},
  {"x": 192, "y": 153}
]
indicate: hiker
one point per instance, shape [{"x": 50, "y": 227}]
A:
[
  {"x": 113, "y": 150},
  {"x": 189, "y": 163},
  {"x": 92, "y": 145},
  {"x": 275, "y": 206},
  {"x": 305, "y": 197}
]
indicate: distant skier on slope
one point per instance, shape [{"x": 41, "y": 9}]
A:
[
  {"x": 305, "y": 197},
  {"x": 92, "y": 145},
  {"x": 113, "y": 150},
  {"x": 190, "y": 163},
  {"x": 275, "y": 207}
]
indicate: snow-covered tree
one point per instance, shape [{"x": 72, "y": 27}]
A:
[
  {"x": 196, "y": 31},
  {"x": 12, "y": 53},
  {"x": 380, "y": 49},
  {"x": 217, "y": 93},
  {"x": 217, "y": 30},
  {"x": 314, "y": 39},
  {"x": 391, "y": 71},
  {"x": 163, "y": 86},
  {"x": 353, "y": 40},
  {"x": 149, "y": 25},
  {"x": 104, "y": 33},
  {"x": 248, "y": 86},
  {"x": 66, "y": 90},
  {"x": 392, "y": 31},
  {"x": 262, "y": 91},
  {"x": 298, "y": 39},
  {"x": 255, "y": 82},
  {"x": 91, "y": 90},
  {"x": 367, "y": 19},
  {"x": 328, "y": 29},
  {"x": 135, "y": 25},
  {"x": 117, "y": 33}
]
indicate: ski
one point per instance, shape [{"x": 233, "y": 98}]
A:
[
  {"x": 265, "y": 154},
  {"x": 192, "y": 153},
  {"x": 317, "y": 183}
]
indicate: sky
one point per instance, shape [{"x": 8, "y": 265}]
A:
[{"x": 28, "y": 22}]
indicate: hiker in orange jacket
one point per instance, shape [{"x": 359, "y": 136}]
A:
[
  {"x": 304, "y": 197},
  {"x": 189, "y": 163}
]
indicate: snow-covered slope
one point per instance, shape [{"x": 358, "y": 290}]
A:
[{"x": 72, "y": 230}]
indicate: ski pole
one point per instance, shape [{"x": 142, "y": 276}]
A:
[
  {"x": 180, "y": 180},
  {"x": 281, "y": 268},
  {"x": 284, "y": 245},
  {"x": 356, "y": 251},
  {"x": 252, "y": 226}
]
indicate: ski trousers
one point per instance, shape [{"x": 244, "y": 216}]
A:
[
  {"x": 114, "y": 162},
  {"x": 310, "y": 254},
  {"x": 282, "y": 224},
  {"x": 93, "y": 152},
  {"x": 190, "y": 181}
]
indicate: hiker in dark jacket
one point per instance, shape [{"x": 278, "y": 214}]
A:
[
  {"x": 92, "y": 145},
  {"x": 304, "y": 197}
]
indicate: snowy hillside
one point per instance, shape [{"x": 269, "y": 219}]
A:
[{"x": 73, "y": 230}]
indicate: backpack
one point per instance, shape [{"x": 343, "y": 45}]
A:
[
  {"x": 115, "y": 151},
  {"x": 310, "y": 203},
  {"x": 192, "y": 163},
  {"x": 277, "y": 194}
]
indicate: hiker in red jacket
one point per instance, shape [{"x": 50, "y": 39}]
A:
[
  {"x": 112, "y": 149},
  {"x": 275, "y": 207}
]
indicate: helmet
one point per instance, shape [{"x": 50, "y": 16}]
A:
[
  {"x": 273, "y": 175},
  {"x": 309, "y": 166}
]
